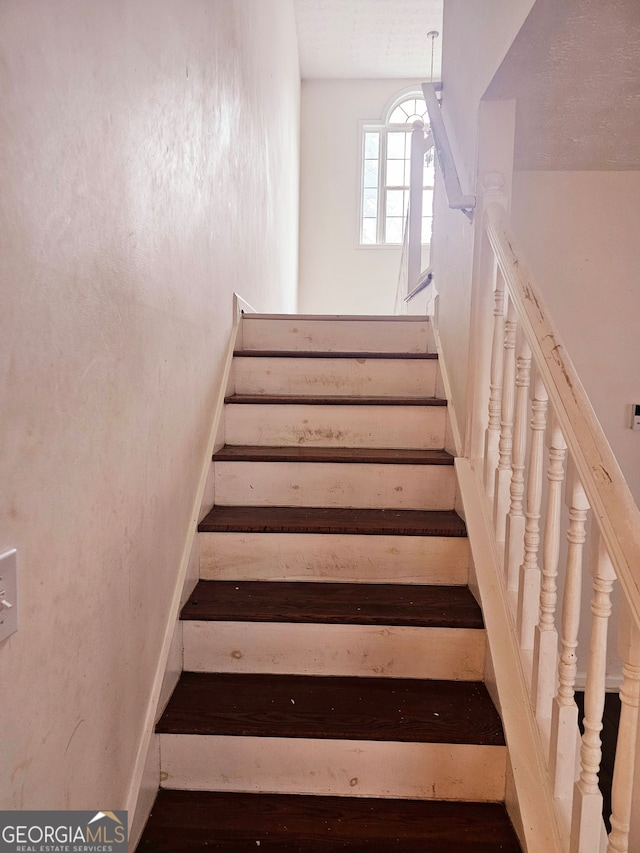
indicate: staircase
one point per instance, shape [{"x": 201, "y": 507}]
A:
[{"x": 332, "y": 695}]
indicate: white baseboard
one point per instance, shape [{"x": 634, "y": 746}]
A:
[{"x": 146, "y": 770}]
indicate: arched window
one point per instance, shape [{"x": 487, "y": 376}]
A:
[{"x": 386, "y": 151}]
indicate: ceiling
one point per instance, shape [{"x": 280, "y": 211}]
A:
[{"x": 369, "y": 39}]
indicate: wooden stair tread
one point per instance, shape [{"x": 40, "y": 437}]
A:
[
  {"x": 388, "y": 522},
  {"x": 368, "y": 318},
  {"x": 189, "y": 821},
  {"x": 360, "y": 356},
  {"x": 338, "y": 603},
  {"x": 297, "y": 706},
  {"x": 328, "y": 400},
  {"x": 264, "y": 453}
]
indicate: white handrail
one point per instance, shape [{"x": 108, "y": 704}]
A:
[{"x": 455, "y": 197}]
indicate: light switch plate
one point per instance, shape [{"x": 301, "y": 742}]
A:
[
  {"x": 8, "y": 593},
  {"x": 635, "y": 420}
]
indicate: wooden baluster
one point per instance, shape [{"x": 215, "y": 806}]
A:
[
  {"x": 514, "y": 531},
  {"x": 564, "y": 714},
  {"x": 492, "y": 433},
  {"x": 625, "y": 766},
  {"x": 505, "y": 445},
  {"x": 545, "y": 649},
  {"x": 586, "y": 818},
  {"x": 529, "y": 586}
]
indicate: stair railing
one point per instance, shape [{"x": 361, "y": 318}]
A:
[
  {"x": 455, "y": 197},
  {"x": 536, "y": 443}
]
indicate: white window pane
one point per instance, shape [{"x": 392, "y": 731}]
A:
[
  {"x": 398, "y": 116},
  {"x": 426, "y": 229},
  {"x": 371, "y": 145},
  {"x": 369, "y": 229},
  {"x": 370, "y": 202},
  {"x": 394, "y": 227},
  {"x": 395, "y": 173},
  {"x": 371, "y": 173},
  {"x": 395, "y": 145},
  {"x": 395, "y": 202},
  {"x": 427, "y": 201},
  {"x": 421, "y": 109}
]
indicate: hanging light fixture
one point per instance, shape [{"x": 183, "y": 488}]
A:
[{"x": 433, "y": 35}]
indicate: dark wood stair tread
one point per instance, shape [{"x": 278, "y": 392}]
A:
[
  {"x": 262, "y": 453},
  {"x": 190, "y": 821},
  {"x": 329, "y": 400},
  {"x": 360, "y": 356},
  {"x": 334, "y": 603},
  {"x": 368, "y": 318},
  {"x": 335, "y": 707},
  {"x": 375, "y": 522}
]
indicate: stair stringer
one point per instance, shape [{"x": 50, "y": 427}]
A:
[
  {"x": 530, "y": 804},
  {"x": 145, "y": 778}
]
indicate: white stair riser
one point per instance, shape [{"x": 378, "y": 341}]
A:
[
  {"x": 336, "y": 376},
  {"x": 334, "y": 484},
  {"x": 335, "y": 335},
  {"x": 333, "y": 767},
  {"x": 418, "y": 427},
  {"x": 349, "y": 650},
  {"x": 334, "y": 557}
]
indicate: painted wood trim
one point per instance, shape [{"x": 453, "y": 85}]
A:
[
  {"x": 455, "y": 197},
  {"x": 456, "y": 435},
  {"x": 335, "y": 767},
  {"x": 136, "y": 803},
  {"x": 456, "y": 654},
  {"x": 605, "y": 485},
  {"x": 540, "y": 821}
]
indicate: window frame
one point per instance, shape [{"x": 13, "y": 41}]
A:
[{"x": 383, "y": 127}]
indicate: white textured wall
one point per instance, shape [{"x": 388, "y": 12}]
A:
[
  {"x": 337, "y": 276},
  {"x": 579, "y": 233},
  {"x": 149, "y": 168}
]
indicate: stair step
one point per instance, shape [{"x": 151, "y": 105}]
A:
[
  {"x": 299, "y": 332},
  {"x": 328, "y": 399},
  {"x": 301, "y": 556},
  {"x": 354, "y": 375},
  {"x": 370, "y": 456},
  {"x": 390, "y": 630},
  {"x": 340, "y": 603},
  {"x": 335, "y": 421},
  {"x": 336, "y": 354},
  {"x": 333, "y": 520},
  {"x": 332, "y": 735},
  {"x": 328, "y": 707},
  {"x": 191, "y": 821},
  {"x": 334, "y": 649},
  {"x": 367, "y": 478}
]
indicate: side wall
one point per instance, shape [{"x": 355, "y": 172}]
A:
[
  {"x": 149, "y": 168},
  {"x": 337, "y": 276},
  {"x": 579, "y": 233}
]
